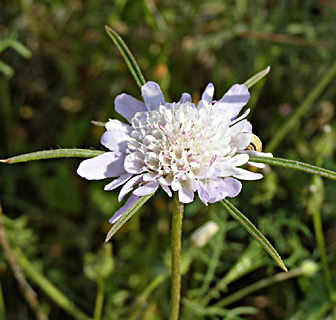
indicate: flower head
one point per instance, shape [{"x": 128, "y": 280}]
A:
[{"x": 178, "y": 146}]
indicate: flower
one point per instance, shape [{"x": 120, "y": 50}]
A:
[{"x": 178, "y": 146}]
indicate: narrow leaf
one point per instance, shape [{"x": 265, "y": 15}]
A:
[
  {"x": 127, "y": 55},
  {"x": 257, "y": 77},
  {"x": 248, "y": 225},
  {"x": 296, "y": 165},
  {"x": 53, "y": 154},
  {"x": 127, "y": 215}
]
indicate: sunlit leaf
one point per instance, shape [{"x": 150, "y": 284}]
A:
[
  {"x": 257, "y": 77},
  {"x": 127, "y": 55}
]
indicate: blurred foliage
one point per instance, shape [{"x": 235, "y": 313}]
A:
[{"x": 63, "y": 71}]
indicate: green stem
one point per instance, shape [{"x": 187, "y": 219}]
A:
[
  {"x": 49, "y": 289},
  {"x": 321, "y": 246},
  {"x": 99, "y": 299},
  {"x": 258, "y": 286},
  {"x": 176, "y": 233},
  {"x": 296, "y": 165},
  {"x": 318, "y": 229},
  {"x": 53, "y": 154},
  {"x": 302, "y": 109}
]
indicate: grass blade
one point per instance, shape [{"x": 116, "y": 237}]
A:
[
  {"x": 257, "y": 77},
  {"x": 126, "y": 216},
  {"x": 53, "y": 154},
  {"x": 248, "y": 225},
  {"x": 296, "y": 165},
  {"x": 127, "y": 55}
]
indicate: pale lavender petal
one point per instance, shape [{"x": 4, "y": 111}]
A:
[
  {"x": 115, "y": 140},
  {"x": 235, "y": 99},
  {"x": 134, "y": 163},
  {"x": 186, "y": 195},
  {"x": 244, "y": 115},
  {"x": 106, "y": 165},
  {"x": 232, "y": 187},
  {"x": 128, "y": 186},
  {"x": 128, "y": 204},
  {"x": 239, "y": 159},
  {"x": 186, "y": 97},
  {"x": 256, "y": 164},
  {"x": 247, "y": 175},
  {"x": 166, "y": 189},
  {"x": 146, "y": 189},
  {"x": 113, "y": 124},
  {"x": 152, "y": 95},
  {"x": 208, "y": 93},
  {"x": 224, "y": 188},
  {"x": 242, "y": 140},
  {"x": 217, "y": 189},
  {"x": 237, "y": 128},
  {"x": 186, "y": 191},
  {"x": 248, "y": 127},
  {"x": 128, "y": 106},
  {"x": 257, "y": 153},
  {"x": 118, "y": 182},
  {"x": 203, "y": 194}
]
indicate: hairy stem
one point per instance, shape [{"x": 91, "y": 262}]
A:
[{"x": 176, "y": 232}]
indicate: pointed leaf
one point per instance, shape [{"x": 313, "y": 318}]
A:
[
  {"x": 127, "y": 215},
  {"x": 52, "y": 154},
  {"x": 248, "y": 225},
  {"x": 252, "y": 81},
  {"x": 296, "y": 165},
  {"x": 127, "y": 55}
]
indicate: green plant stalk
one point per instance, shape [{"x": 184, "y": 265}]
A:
[
  {"x": 318, "y": 230},
  {"x": 176, "y": 235},
  {"x": 321, "y": 246},
  {"x": 99, "y": 299},
  {"x": 48, "y": 288},
  {"x": 258, "y": 286},
  {"x": 54, "y": 154},
  {"x": 296, "y": 165},
  {"x": 302, "y": 109}
]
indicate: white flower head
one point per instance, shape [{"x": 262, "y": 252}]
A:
[{"x": 178, "y": 146}]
